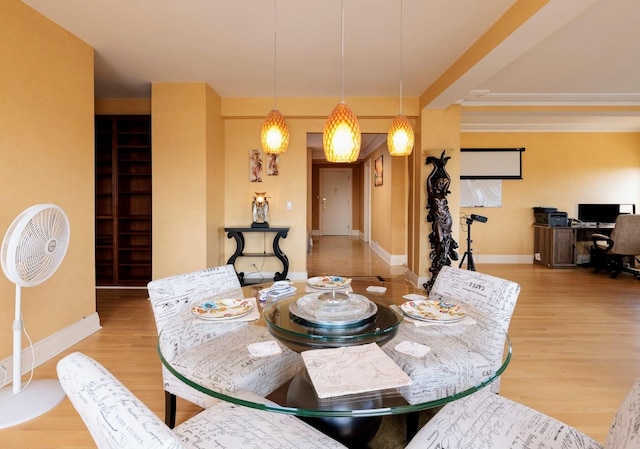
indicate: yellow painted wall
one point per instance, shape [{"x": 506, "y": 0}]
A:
[
  {"x": 559, "y": 170},
  {"x": 399, "y": 205},
  {"x": 215, "y": 148},
  {"x": 242, "y": 135},
  {"x": 179, "y": 177},
  {"x": 414, "y": 210},
  {"x": 46, "y": 144},
  {"x": 389, "y": 204},
  {"x": 439, "y": 131},
  {"x": 200, "y": 168}
]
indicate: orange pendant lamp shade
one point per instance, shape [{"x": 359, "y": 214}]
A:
[
  {"x": 400, "y": 138},
  {"x": 275, "y": 133},
  {"x": 341, "y": 139}
]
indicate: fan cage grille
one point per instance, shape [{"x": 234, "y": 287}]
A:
[{"x": 35, "y": 244}]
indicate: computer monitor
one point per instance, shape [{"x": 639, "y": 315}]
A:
[{"x": 598, "y": 213}]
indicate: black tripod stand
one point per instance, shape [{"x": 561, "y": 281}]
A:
[{"x": 469, "y": 252}]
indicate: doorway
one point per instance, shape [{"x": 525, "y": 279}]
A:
[{"x": 335, "y": 201}]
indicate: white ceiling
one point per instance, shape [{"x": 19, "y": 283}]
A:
[{"x": 572, "y": 52}]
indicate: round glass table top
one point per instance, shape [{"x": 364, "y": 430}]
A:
[{"x": 297, "y": 396}]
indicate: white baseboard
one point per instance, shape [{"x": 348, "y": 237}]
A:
[
  {"x": 419, "y": 281},
  {"x": 267, "y": 276},
  {"x": 54, "y": 344},
  {"x": 391, "y": 259},
  {"x": 498, "y": 258},
  {"x": 298, "y": 275},
  {"x": 354, "y": 232},
  {"x": 414, "y": 279}
]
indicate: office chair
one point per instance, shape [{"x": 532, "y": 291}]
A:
[{"x": 617, "y": 253}]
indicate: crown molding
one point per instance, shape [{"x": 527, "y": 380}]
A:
[
  {"x": 550, "y": 121},
  {"x": 487, "y": 98}
]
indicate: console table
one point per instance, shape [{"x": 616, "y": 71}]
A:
[{"x": 237, "y": 233}]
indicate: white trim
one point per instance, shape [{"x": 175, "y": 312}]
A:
[
  {"x": 267, "y": 276},
  {"x": 487, "y": 98},
  {"x": 390, "y": 259},
  {"x": 54, "y": 344},
  {"x": 413, "y": 279},
  {"x": 298, "y": 275},
  {"x": 501, "y": 258},
  {"x": 549, "y": 121},
  {"x": 419, "y": 281}
]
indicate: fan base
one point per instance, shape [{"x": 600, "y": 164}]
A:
[{"x": 35, "y": 400}]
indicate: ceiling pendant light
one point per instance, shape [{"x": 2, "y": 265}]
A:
[
  {"x": 341, "y": 138},
  {"x": 275, "y": 132},
  {"x": 400, "y": 138}
]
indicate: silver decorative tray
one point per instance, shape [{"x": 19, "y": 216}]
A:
[{"x": 333, "y": 309}]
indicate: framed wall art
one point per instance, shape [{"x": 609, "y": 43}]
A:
[
  {"x": 377, "y": 171},
  {"x": 273, "y": 164},
  {"x": 255, "y": 165}
]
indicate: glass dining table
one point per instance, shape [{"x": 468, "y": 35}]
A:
[{"x": 350, "y": 418}]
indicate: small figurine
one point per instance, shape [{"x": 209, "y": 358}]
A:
[{"x": 260, "y": 210}]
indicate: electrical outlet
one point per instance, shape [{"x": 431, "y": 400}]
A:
[{"x": 289, "y": 205}]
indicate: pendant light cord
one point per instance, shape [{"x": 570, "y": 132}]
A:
[
  {"x": 342, "y": 53},
  {"x": 275, "y": 50},
  {"x": 401, "y": 71}
]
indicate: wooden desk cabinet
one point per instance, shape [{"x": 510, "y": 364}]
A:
[{"x": 554, "y": 247}]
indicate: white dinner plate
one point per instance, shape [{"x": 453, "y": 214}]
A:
[
  {"x": 328, "y": 282},
  {"x": 280, "y": 285},
  {"x": 433, "y": 310},
  {"x": 222, "y": 309}
]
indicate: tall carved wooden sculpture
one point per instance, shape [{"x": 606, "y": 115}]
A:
[{"x": 443, "y": 247}]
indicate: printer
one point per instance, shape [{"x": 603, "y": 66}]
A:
[{"x": 550, "y": 216}]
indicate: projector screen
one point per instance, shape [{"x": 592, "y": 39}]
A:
[{"x": 491, "y": 163}]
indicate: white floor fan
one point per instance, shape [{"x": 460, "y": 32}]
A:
[{"x": 32, "y": 250}]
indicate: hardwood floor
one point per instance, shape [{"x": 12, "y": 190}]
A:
[{"x": 575, "y": 337}]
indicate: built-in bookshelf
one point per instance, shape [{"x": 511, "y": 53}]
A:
[{"x": 123, "y": 200}]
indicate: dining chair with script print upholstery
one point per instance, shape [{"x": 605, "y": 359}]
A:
[
  {"x": 487, "y": 420},
  {"x": 462, "y": 354},
  {"x": 225, "y": 366},
  {"x": 117, "y": 419}
]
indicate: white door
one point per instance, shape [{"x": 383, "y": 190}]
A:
[{"x": 335, "y": 201}]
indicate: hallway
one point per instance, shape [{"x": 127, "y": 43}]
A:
[{"x": 349, "y": 257}]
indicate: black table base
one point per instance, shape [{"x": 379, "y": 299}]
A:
[{"x": 353, "y": 432}]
